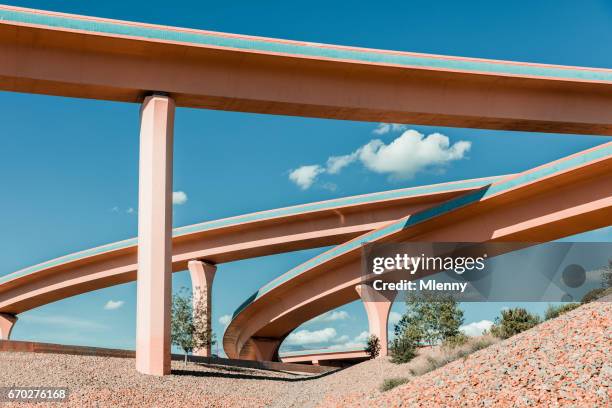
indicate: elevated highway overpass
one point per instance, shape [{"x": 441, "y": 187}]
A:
[
  {"x": 263, "y": 233},
  {"x": 562, "y": 198},
  {"x": 161, "y": 67}
]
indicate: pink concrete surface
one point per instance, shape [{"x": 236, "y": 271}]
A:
[
  {"x": 154, "y": 283},
  {"x": 65, "y": 62},
  {"x": 555, "y": 206},
  {"x": 202, "y": 275},
  {"x": 377, "y": 305},
  {"x": 265, "y": 349},
  {"x": 268, "y": 235},
  {"x": 318, "y": 358},
  {"x": 7, "y": 321}
]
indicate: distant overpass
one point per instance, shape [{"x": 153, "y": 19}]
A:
[{"x": 326, "y": 357}]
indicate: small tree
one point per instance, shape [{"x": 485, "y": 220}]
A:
[
  {"x": 373, "y": 346},
  {"x": 455, "y": 341},
  {"x": 403, "y": 348},
  {"x": 189, "y": 326},
  {"x": 435, "y": 318},
  {"x": 513, "y": 321}
]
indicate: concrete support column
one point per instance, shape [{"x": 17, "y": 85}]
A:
[
  {"x": 377, "y": 305},
  {"x": 154, "y": 283},
  {"x": 7, "y": 321},
  {"x": 265, "y": 349},
  {"x": 202, "y": 276}
]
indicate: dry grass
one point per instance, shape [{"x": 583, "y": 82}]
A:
[
  {"x": 436, "y": 357},
  {"x": 391, "y": 383},
  {"x": 429, "y": 359}
]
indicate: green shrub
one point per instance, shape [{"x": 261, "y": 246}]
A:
[
  {"x": 513, "y": 321},
  {"x": 606, "y": 286},
  {"x": 391, "y": 383},
  {"x": 596, "y": 294},
  {"x": 556, "y": 311},
  {"x": 403, "y": 349},
  {"x": 455, "y": 341},
  {"x": 373, "y": 346}
]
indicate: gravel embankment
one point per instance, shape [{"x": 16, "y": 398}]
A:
[
  {"x": 563, "y": 362},
  {"x": 113, "y": 382}
]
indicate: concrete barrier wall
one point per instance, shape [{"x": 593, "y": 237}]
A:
[{"x": 35, "y": 347}]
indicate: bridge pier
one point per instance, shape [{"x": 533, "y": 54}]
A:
[
  {"x": 7, "y": 321},
  {"x": 377, "y": 305},
  {"x": 202, "y": 276},
  {"x": 154, "y": 282},
  {"x": 265, "y": 349}
]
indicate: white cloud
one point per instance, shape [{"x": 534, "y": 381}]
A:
[
  {"x": 363, "y": 336},
  {"x": 335, "y": 164},
  {"x": 327, "y": 335},
  {"x": 476, "y": 328},
  {"x": 117, "y": 210},
  {"x": 305, "y": 176},
  {"x": 179, "y": 197},
  {"x": 402, "y": 158},
  {"x": 342, "y": 339},
  {"x": 358, "y": 341},
  {"x": 384, "y": 128},
  {"x": 64, "y": 322},
  {"x": 336, "y": 315},
  {"x": 394, "y": 318},
  {"x": 303, "y": 337},
  {"x": 331, "y": 316},
  {"x": 113, "y": 304},
  {"x": 410, "y": 153},
  {"x": 225, "y": 320},
  {"x": 330, "y": 186}
]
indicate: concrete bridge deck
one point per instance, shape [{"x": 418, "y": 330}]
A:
[{"x": 561, "y": 198}]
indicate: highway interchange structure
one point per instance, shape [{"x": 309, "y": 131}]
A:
[
  {"x": 164, "y": 67},
  {"x": 558, "y": 199},
  {"x": 219, "y": 241}
]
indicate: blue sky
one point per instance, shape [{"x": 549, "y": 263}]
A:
[{"x": 69, "y": 167}]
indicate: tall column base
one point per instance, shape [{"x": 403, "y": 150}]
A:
[
  {"x": 202, "y": 276},
  {"x": 7, "y": 321},
  {"x": 377, "y": 305}
]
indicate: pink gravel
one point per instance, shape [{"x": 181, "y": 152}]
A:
[
  {"x": 113, "y": 382},
  {"x": 565, "y": 362}
]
